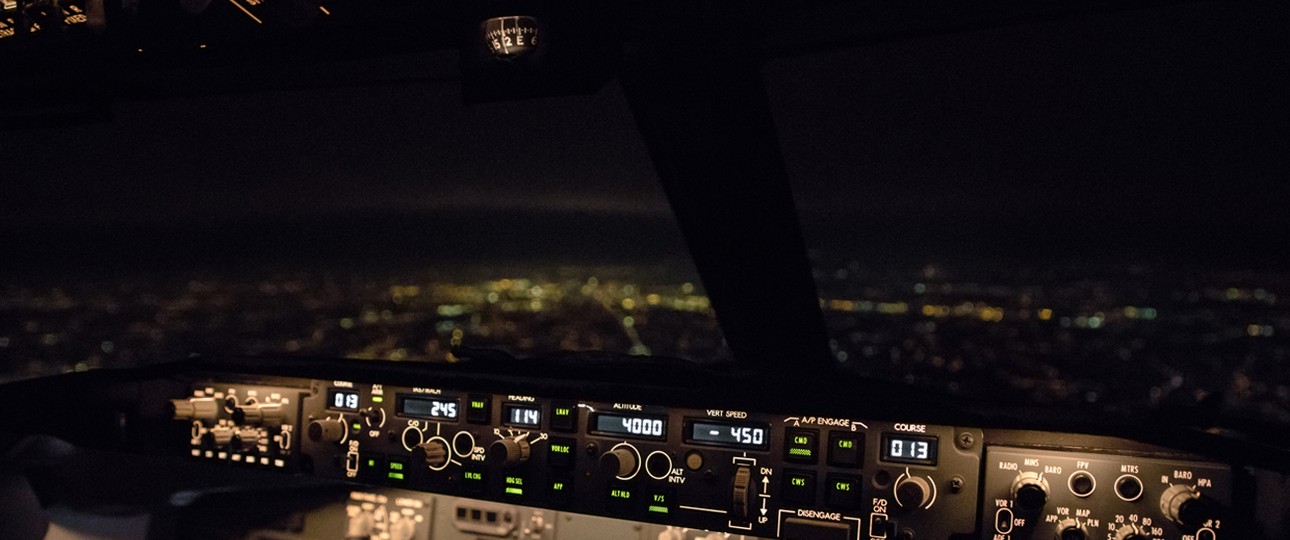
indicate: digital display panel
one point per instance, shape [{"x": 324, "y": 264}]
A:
[
  {"x": 519, "y": 415},
  {"x": 641, "y": 426},
  {"x": 729, "y": 434},
  {"x": 436, "y": 408},
  {"x": 915, "y": 449},
  {"x": 346, "y": 400}
]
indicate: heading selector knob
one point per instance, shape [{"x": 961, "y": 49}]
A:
[
  {"x": 1185, "y": 506},
  {"x": 508, "y": 451},
  {"x": 622, "y": 462},
  {"x": 1030, "y": 491},
  {"x": 1070, "y": 529},
  {"x": 204, "y": 409},
  {"x": 436, "y": 453},
  {"x": 913, "y": 492},
  {"x": 327, "y": 430}
]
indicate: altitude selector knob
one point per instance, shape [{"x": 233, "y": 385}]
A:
[
  {"x": 1030, "y": 491},
  {"x": 1185, "y": 506},
  {"x": 913, "y": 492},
  {"x": 1129, "y": 532},
  {"x": 1069, "y": 529},
  {"x": 436, "y": 453},
  {"x": 508, "y": 451},
  {"x": 621, "y": 462},
  {"x": 326, "y": 430}
]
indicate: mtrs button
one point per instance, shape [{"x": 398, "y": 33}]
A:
[
  {"x": 846, "y": 449},
  {"x": 844, "y": 492},
  {"x": 564, "y": 417},
  {"x": 799, "y": 487},
  {"x": 800, "y": 445},
  {"x": 478, "y": 409}
]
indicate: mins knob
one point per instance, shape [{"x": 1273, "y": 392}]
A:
[{"x": 1030, "y": 491}]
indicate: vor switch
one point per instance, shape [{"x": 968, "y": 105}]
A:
[{"x": 742, "y": 493}]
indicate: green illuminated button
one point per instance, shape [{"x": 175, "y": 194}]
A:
[
  {"x": 560, "y": 490},
  {"x": 473, "y": 480},
  {"x": 620, "y": 494},
  {"x": 844, "y": 491},
  {"x": 514, "y": 486},
  {"x": 846, "y": 449},
  {"x": 396, "y": 469},
  {"x": 799, "y": 487},
  {"x": 479, "y": 408},
  {"x": 800, "y": 445},
  {"x": 561, "y": 453},
  {"x": 661, "y": 502},
  {"x": 564, "y": 417}
]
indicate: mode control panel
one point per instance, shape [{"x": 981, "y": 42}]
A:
[
  {"x": 740, "y": 472},
  {"x": 1044, "y": 494}
]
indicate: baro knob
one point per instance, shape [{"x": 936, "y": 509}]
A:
[
  {"x": 1185, "y": 506},
  {"x": 266, "y": 414},
  {"x": 327, "y": 430},
  {"x": 913, "y": 492},
  {"x": 436, "y": 453},
  {"x": 508, "y": 451},
  {"x": 1030, "y": 491},
  {"x": 1070, "y": 529},
  {"x": 621, "y": 462},
  {"x": 221, "y": 435}
]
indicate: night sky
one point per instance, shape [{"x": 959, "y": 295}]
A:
[{"x": 1137, "y": 128}]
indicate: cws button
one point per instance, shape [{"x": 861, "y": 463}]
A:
[
  {"x": 844, "y": 492},
  {"x": 799, "y": 487}
]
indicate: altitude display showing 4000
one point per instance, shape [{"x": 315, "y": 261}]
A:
[{"x": 631, "y": 425}]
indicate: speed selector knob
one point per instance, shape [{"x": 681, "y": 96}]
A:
[
  {"x": 436, "y": 453},
  {"x": 203, "y": 409},
  {"x": 326, "y": 430},
  {"x": 1070, "y": 529},
  {"x": 1187, "y": 507},
  {"x": 913, "y": 492},
  {"x": 1030, "y": 491},
  {"x": 1129, "y": 532},
  {"x": 508, "y": 451},
  {"x": 621, "y": 462}
]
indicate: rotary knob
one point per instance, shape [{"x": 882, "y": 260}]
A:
[
  {"x": 327, "y": 430},
  {"x": 1185, "y": 506},
  {"x": 913, "y": 492},
  {"x": 221, "y": 435},
  {"x": 245, "y": 439},
  {"x": 1070, "y": 529},
  {"x": 265, "y": 414},
  {"x": 621, "y": 462},
  {"x": 202, "y": 409},
  {"x": 436, "y": 453},
  {"x": 1030, "y": 491},
  {"x": 508, "y": 451},
  {"x": 1129, "y": 532}
]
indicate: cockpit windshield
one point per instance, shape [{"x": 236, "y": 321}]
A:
[{"x": 1088, "y": 211}]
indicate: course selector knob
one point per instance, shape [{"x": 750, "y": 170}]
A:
[
  {"x": 913, "y": 492},
  {"x": 326, "y": 430},
  {"x": 508, "y": 451},
  {"x": 436, "y": 453},
  {"x": 1030, "y": 491},
  {"x": 1185, "y": 506},
  {"x": 1129, "y": 532},
  {"x": 621, "y": 462},
  {"x": 203, "y": 409},
  {"x": 1070, "y": 529}
]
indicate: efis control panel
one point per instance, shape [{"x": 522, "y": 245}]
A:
[{"x": 245, "y": 424}]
